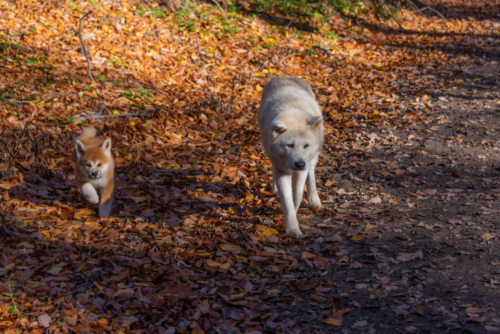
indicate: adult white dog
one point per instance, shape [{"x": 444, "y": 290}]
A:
[{"x": 291, "y": 126}]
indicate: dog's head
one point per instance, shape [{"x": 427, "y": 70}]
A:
[
  {"x": 296, "y": 139},
  {"x": 93, "y": 161}
]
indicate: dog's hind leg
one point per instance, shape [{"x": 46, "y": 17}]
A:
[
  {"x": 284, "y": 185},
  {"x": 312, "y": 192},
  {"x": 274, "y": 189},
  {"x": 106, "y": 201},
  {"x": 298, "y": 182}
]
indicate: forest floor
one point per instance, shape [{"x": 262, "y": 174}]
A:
[{"x": 406, "y": 241}]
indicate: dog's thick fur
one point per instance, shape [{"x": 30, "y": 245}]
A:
[
  {"x": 94, "y": 169},
  {"x": 291, "y": 126}
]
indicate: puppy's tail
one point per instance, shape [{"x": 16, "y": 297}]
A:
[{"x": 87, "y": 133}]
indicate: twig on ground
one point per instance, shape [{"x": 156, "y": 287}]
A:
[
  {"x": 327, "y": 52},
  {"x": 354, "y": 36},
  {"x": 26, "y": 127},
  {"x": 6, "y": 215},
  {"x": 429, "y": 8},
  {"x": 37, "y": 101},
  {"x": 139, "y": 114},
  {"x": 101, "y": 108},
  {"x": 197, "y": 42},
  {"x": 84, "y": 48},
  {"x": 222, "y": 10},
  {"x": 77, "y": 119},
  {"x": 196, "y": 111},
  {"x": 391, "y": 15},
  {"x": 432, "y": 10}
]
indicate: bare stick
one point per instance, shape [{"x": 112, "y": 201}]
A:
[
  {"x": 197, "y": 111},
  {"x": 84, "y": 49},
  {"x": 438, "y": 13},
  {"x": 197, "y": 42},
  {"x": 101, "y": 108},
  {"x": 223, "y": 13},
  {"x": 6, "y": 215},
  {"x": 77, "y": 119},
  {"x": 328, "y": 53},
  {"x": 393, "y": 17}
]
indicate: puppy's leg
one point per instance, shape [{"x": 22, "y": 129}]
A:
[
  {"x": 274, "y": 189},
  {"x": 284, "y": 185},
  {"x": 89, "y": 192},
  {"x": 312, "y": 192},
  {"x": 106, "y": 201},
  {"x": 298, "y": 182}
]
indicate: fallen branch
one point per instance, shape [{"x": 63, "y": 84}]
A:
[
  {"x": 6, "y": 215},
  {"x": 196, "y": 111},
  {"x": 101, "y": 108},
  {"x": 197, "y": 42},
  {"x": 354, "y": 36},
  {"x": 84, "y": 49},
  {"x": 431, "y": 9},
  {"x": 328, "y": 53},
  {"x": 38, "y": 101},
  {"x": 78, "y": 119},
  {"x": 223, "y": 13},
  {"x": 391, "y": 15}
]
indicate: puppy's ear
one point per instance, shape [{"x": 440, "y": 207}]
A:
[
  {"x": 314, "y": 121},
  {"x": 106, "y": 146},
  {"x": 79, "y": 148},
  {"x": 278, "y": 129}
]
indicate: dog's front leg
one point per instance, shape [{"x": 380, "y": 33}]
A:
[
  {"x": 284, "y": 185},
  {"x": 298, "y": 182},
  {"x": 312, "y": 192},
  {"x": 89, "y": 192}
]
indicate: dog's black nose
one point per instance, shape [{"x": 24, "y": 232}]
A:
[
  {"x": 94, "y": 174},
  {"x": 300, "y": 164}
]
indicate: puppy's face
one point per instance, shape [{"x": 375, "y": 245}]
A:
[
  {"x": 93, "y": 161},
  {"x": 296, "y": 141}
]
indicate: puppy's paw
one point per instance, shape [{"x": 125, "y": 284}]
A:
[
  {"x": 93, "y": 199},
  {"x": 294, "y": 233},
  {"x": 89, "y": 193}
]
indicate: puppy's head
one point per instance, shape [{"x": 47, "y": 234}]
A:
[
  {"x": 296, "y": 139},
  {"x": 93, "y": 161}
]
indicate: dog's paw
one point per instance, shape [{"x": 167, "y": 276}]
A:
[
  {"x": 315, "y": 205},
  {"x": 294, "y": 233},
  {"x": 92, "y": 199}
]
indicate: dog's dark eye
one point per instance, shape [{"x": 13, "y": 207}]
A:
[
  {"x": 99, "y": 165},
  {"x": 89, "y": 165},
  {"x": 290, "y": 145},
  {"x": 306, "y": 145}
]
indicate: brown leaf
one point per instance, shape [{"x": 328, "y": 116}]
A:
[
  {"x": 44, "y": 320},
  {"x": 333, "y": 322},
  {"x": 405, "y": 257}
]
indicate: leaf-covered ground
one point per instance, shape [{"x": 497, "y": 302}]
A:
[{"x": 407, "y": 240}]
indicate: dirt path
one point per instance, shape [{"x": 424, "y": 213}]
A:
[{"x": 426, "y": 259}]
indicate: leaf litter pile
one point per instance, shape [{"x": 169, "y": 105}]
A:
[{"x": 406, "y": 241}]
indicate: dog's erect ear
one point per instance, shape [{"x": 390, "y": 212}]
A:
[
  {"x": 106, "y": 146},
  {"x": 314, "y": 121},
  {"x": 278, "y": 129},
  {"x": 79, "y": 148}
]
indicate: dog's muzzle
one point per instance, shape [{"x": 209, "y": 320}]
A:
[
  {"x": 300, "y": 165},
  {"x": 94, "y": 175}
]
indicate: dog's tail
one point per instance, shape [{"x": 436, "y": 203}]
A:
[{"x": 87, "y": 133}]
